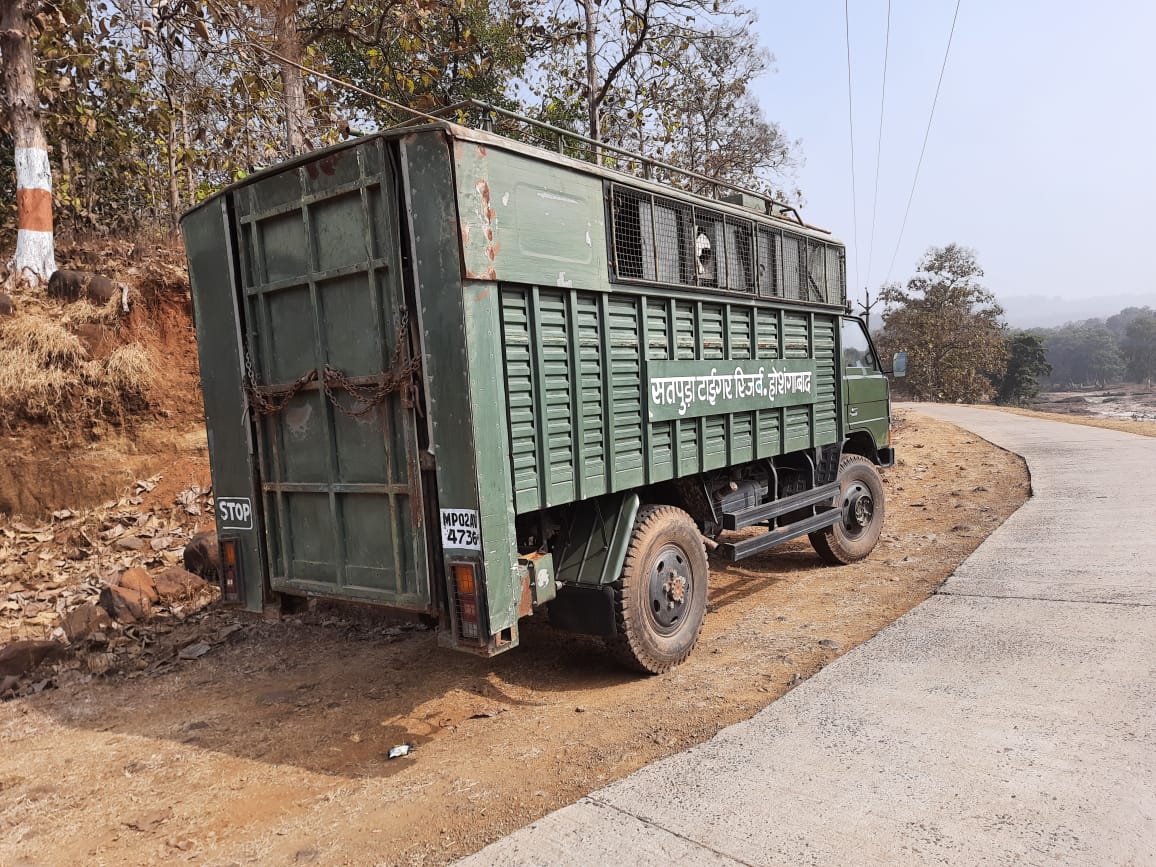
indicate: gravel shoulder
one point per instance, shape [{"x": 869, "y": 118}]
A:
[{"x": 273, "y": 746}]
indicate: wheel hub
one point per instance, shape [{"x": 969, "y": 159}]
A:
[
  {"x": 858, "y": 509},
  {"x": 669, "y": 588}
]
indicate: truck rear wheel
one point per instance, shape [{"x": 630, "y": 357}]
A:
[
  {"x": 861, "y": 502},
  {"x": 660, "y": 597}
]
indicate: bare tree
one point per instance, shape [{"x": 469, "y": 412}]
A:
[
  {"x": 35, "y": 256},
  {"x": 287, "y": 41}
]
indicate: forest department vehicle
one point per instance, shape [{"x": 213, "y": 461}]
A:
[{"x": 452, "y": 372}]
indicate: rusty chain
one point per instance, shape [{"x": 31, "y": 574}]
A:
[{"x": 400, "y": 378}]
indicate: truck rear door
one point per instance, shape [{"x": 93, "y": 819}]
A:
[{"x": 324, "y": 312}]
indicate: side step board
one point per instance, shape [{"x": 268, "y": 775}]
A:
[
  {"x": 824, "y": 494},
  {"x": 758, "y": 544}
]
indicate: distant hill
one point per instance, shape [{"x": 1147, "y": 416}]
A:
[{"x": 1040, "y": 311}]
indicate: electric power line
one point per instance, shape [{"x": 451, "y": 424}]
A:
[
  {"x": 851, "y": 124},
  {"x": 879, "y": 144},
  {"x": 926, "y": 135}
]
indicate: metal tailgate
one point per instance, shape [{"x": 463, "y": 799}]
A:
[{"x": 324, "y": 311}]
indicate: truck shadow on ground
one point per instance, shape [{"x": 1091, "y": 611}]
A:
[{"x": 333, "y": 700}]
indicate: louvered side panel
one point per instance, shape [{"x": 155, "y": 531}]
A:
[
  {"x": 712, "y": 331},
  {"x": 686, "y": 344},
  {"x": 797, "y": 428},
  {"x": 520, "y": 390},
  {"x": 554, "y": 398},
  {"x": 795, "y": 342},
  {"x": 740, "y": 335},
  {"x": 767, "y": 333},
  {"x": 590, "y": 434},
  {"x": 685, "y": 338},
  {"x": 659, "y": 342},
  {"x": 826, "y": 406},
  {"x": 743, "y": 348},
  {"x": 769, "y": 426},
  {"x": 626, "y": 393}
]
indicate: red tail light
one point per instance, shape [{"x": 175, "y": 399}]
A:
[
  {"x": 232, "y": 589},
  {"x": 466, "y": 587}
]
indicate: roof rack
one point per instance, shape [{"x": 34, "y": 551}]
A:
[{"x": 493, "y": 118}]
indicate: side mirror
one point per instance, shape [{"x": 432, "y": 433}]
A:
[{"x": 899, "y": 365}]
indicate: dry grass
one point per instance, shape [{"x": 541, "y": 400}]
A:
[
  {"x": 46, "y": 374},
  {"x": 84, "y": 312},
  {"x": 129, "y": 370},
  {"x": 1143, "y": 428}
]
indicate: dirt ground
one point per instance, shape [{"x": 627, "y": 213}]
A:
[{"x": 273, "y": 747}]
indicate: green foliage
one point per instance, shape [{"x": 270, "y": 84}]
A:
[
  {"x": 425, "y": 55},
  {"x": 1119, "y": 323},
  {"x": 1083, "y": 354},
  {"x": 671, "y": 79},
  {"x": 151, "y": 105},
  {"x": 950, "y": 327},
  {"x": 1027, "y": 362},
  {"x": 1139, "y": 347}
]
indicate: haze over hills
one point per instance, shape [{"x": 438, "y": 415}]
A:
[{"x": 1041, "y": 311}]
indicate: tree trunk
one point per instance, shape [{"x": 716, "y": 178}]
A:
[
  {"x": 188, "y": 144},
  {"x": 289, "y": 46},
  {"x": 174, "y": 181},
  {"x": 35, "y": 252},
  {"x": 592, "y": 73}
]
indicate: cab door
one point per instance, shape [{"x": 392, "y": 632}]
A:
[{"x": 865, "y": 389}]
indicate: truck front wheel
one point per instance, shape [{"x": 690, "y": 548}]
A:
[
  {"x": 660, "y": 598},
  {"x": 854, "y": 535}
]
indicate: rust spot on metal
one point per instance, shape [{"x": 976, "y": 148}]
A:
[
  {"x": 483, "y": 294},
  {"x": 481, "y": 150},
  {"x": 326, "y": 165},
  {"x": 491, "y": 252},
  {"x": 465, "y": 234},
  {"x": 488, "y": 274},
  {"x": 526, "y": 603}
]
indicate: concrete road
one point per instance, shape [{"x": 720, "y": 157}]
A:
[{"x": 1010, "y": 719}]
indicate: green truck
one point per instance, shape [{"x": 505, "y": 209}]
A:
[{"x": 457, "y": 373}]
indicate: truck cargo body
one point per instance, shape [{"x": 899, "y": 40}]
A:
[{"x": 442, "y": 371}]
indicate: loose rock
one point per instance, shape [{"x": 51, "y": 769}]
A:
[
  {"x": 193, "y": 651},
  {"x": 140, "y": 580},
  {"x": 7, "y": 307},
  {"x": 21, "y": 657},
  {"x": 125, "y": 604},
  {"x": 84, "y": 621},
  {"x": 129, "y": 543},
  {"x": 830, "y": 645},
  {"x": 175, "y": 584}
]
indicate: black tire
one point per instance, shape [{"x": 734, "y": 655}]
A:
[
  {"x": 660, "y": 597},
  {"x": 862, "y": 505}
]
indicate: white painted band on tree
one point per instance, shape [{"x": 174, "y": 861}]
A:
[
  {"x": 35, "y": 252},
  {"x": 32, "y": 169}
]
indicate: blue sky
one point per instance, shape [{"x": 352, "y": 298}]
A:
[{"x": 1042, "y": 155}]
